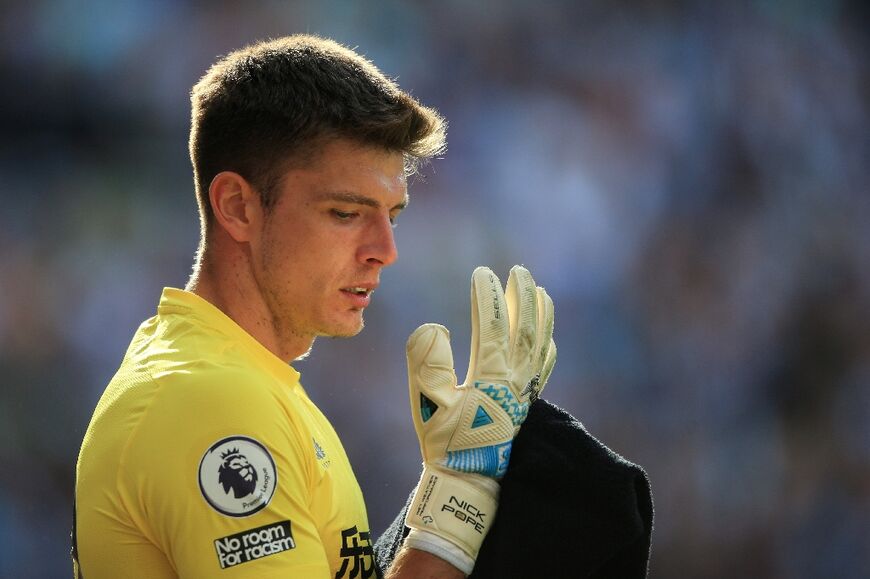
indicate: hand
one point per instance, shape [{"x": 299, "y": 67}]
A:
[{"x": 466, "y": 431}]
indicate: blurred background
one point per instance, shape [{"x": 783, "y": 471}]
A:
[{"x": 689, "y": 180}]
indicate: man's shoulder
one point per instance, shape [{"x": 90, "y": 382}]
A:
[
  {"x": 180, "y": 381},
  {"x": 165, "y": 398},
  {"x": 180, "y": 356},
  {"x": 183, "y": 411},
  {"x": 207, "y": 387},
  {"x": 165, "y": 385}
]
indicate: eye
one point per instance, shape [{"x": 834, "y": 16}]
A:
[
  {"x": 393, "y": 219},
  {"x": 343, "y": 215}
]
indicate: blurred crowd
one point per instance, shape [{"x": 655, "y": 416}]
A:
[{"x": 689, "y": 180}]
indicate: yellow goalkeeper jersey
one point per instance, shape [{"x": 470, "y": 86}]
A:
[{"x": 205, "y": 458}]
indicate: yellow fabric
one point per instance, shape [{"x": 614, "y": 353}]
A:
[{"x": 190, "y": 379}]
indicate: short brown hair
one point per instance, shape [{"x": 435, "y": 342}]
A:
[{"x": 260, "y": 106}]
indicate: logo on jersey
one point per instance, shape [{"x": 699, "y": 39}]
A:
[
  {"x": 357, "y": 556},
  {"x": 318, "y": 450},
  {"x": 254, "y": 544},
  {"x": 237, "y": 476},
  {"x": 320, "y": 455}
]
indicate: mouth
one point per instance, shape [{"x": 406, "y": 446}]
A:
[
  {"x": 360, "y": 296},
  {"x": 358, "y": 290}
]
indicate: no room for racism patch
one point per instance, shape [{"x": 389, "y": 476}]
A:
[{"x": 254, "y": 544}]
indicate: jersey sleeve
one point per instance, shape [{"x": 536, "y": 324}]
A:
[{"x": 216, "y": 477}]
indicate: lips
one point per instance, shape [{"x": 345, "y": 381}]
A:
[{"x": 360, "y": 296}]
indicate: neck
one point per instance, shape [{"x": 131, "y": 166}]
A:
[{"x": 229, "y": 285}]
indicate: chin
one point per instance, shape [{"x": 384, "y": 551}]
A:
[
  {"x": 345, "y": 330},
  {"x": 351, "y": 332}
]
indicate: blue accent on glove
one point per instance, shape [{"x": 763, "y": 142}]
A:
[
  {"x": 491, "y": 461},
  {"x": 505, "y": 398},
  {"x": 427, "y": 408},
  {"x": 481, "y": 418}
]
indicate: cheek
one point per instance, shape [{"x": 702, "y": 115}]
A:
[
  {"x": 282, "y": 255},
  {"x": 308, "y": 255}
]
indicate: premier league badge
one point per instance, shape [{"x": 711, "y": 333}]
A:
[{"x": 237, "y": 476}]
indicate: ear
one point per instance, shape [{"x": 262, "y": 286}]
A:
[{"x": 235, "y": 204}]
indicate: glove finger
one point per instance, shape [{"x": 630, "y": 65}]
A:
[
  {"x": 431, "y": 378},
  {"x": 521, "y": 298},
  {"x": 489, "y": 328},
  {"x": 544, "y": 327},
  {"x": 545, "y": 354},
  {"x": 546, "y": 370}
]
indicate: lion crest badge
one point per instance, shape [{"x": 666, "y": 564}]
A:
[{"x": 237, "y": 476}]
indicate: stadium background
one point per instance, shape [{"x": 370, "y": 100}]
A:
[{"x": 688, "y": 180}]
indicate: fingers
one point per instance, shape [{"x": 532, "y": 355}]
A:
[
  {"x": 546, "y": 315},
  {"x": 546, "y": 370},
  {"x": 489, "y": 328},
  {"x": 523, "y": 317},
  {"x": 544, "y": 357},
  {"x": 545, "y": 326},
  {"x": 431, "y": 379}
]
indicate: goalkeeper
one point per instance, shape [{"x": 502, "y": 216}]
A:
[{"x": 205, "y": 457}]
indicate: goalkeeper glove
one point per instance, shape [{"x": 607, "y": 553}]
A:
[{"x": 466, "y": 431}]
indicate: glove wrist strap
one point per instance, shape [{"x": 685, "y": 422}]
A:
[
  {"x": 456, "y": 507},
  {"x": 441, "y": 548}
]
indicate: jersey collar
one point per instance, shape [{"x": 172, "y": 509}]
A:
[{"x": 177, "y": 301}]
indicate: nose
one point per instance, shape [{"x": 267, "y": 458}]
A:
[{"x": 379, "y": 246}]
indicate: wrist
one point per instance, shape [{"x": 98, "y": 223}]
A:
[
  {"x": 441, "y": 548},
  {"x": 456, "y": 508}
]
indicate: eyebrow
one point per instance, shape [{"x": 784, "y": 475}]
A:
[{"x": 347, "y": 197}]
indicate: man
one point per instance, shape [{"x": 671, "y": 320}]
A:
[{"x": 205, "y": 457}]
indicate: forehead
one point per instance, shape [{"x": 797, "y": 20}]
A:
[{"x": 345, "y": 166}]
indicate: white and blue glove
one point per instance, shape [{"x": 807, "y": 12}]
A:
[{"x": 466, "y": 431}]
